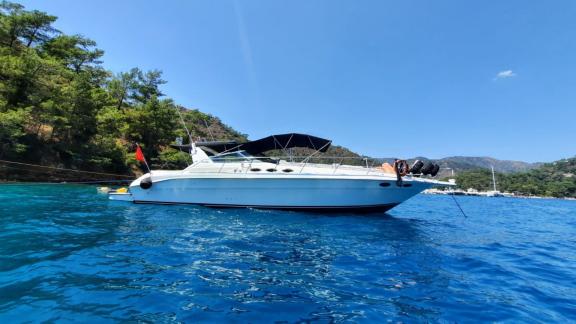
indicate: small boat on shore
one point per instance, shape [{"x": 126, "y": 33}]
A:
[{"x": 231, "y": 174}]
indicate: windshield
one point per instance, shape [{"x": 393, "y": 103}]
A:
[{"x": 238, "y": 156}]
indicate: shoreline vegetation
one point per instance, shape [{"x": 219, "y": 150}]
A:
[
  {"x": 60, "y": 108},
  {"x": 556, "y": 179},
  {"x": 475, "y": 193}
]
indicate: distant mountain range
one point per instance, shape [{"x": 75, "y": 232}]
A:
[
  {"x": 466, "y": 163},
  {"x": 447, "y": 164}
]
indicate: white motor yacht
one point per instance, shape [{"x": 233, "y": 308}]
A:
[{"x": 230, "y": 174}]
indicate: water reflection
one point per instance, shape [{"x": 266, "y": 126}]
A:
[
  {"x": 69, "y": 254},
  {"x": 39, "y": 235},
  {"x": 216, "y": 264},
  {"x": 245, "y": 261},
  {"x": 222, "y": 263}
]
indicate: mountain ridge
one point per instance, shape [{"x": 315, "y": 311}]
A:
[{"x": 466, "y": 163}]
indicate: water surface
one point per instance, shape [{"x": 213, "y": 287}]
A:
[{"x": 69, "y": 254}]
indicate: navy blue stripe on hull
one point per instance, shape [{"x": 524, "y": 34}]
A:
[{"x": 365, "y": 208}]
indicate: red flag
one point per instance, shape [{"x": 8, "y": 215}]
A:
[{"x": 139, "y": 154}]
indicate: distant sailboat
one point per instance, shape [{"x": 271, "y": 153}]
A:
[{"x": 494, "y": 192}]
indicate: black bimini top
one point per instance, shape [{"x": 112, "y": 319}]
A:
[
  {"x": 284, "y": 141},
  {"x": 274, "y": 142}
]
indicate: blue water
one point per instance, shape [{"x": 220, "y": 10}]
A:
[{"x": 69, "y": 254}]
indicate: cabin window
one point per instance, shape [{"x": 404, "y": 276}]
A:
[
  {"x": 271, "y": 170},
  {"x": 232, "y": 157},
  {"x": 385, "y": 184},
  {"x": 407, "y": 185},
  {"x": 287, "y": 170},
  {"x": 255, "y": 170}
]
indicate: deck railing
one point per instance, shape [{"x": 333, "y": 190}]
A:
[{"x": 301, "y": 163}]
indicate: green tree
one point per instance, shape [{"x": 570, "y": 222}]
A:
[
  {"x": 28, "y": 27},
  {"x": 152, "y": 124},
  {"x": 12, "y": 129},
  {"x": 75, "y": 51}
]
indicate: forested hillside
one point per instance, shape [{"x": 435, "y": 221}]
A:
[
  {"x": 60, "y": 107},
  {"x": 556, "y": 179}
]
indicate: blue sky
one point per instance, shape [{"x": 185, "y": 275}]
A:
[{"x": 384, "y": 78}]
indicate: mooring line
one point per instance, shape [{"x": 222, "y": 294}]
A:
[
  {"x": 61, "y": 183},
  {"x": 65, "y": 169},
  {"x": 460, "y": 207}
]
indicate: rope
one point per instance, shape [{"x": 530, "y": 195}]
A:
[
  {"x": 208, "y": 129},
  {"x": 457, "y": 204},
  {"x": 65, "y": 169},
  {"x": 185, "y": 127},
  {"x": 60, "y": 183}
]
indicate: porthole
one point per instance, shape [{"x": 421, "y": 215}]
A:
[
  {"x": 287, "y": 170},
  {"x": 407, "y": 185},
  {"x": 271, "y": 170},
  {"x": 385, "y": 184},
  {"x": 255, "y": 170}
]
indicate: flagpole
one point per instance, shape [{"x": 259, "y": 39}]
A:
[
  {"x": 147, "y": 167},
  {"x": 140, "y": 155}
]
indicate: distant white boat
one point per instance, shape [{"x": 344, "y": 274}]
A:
[
  {"x": 230, "y": 174},
  {"x": 494, "y": 192}
]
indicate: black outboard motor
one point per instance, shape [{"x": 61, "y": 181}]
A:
[
  {"x": 427, "y": 169},
  {"x": 416, "y": 167},
  {"x": 435, "y": 170},
  {"x": 146, "y": 183}
]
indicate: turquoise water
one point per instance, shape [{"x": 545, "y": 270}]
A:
[{"x": 69, "y": 254}]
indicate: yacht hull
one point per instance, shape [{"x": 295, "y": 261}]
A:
[
  {"x": 323, "y": 209},
  {"x": 311, "y": 194}
]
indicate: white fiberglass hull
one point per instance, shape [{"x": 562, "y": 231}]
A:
[{"x": 309, "y": 193}]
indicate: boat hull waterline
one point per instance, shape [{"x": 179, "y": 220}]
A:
[{"x": 310, "y": 194}]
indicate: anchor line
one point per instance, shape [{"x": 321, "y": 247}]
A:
[
  {"x": 64, "y": 169},
  {"x": 459, "y": 207}
]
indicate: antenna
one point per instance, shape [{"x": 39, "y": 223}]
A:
[
  {"x": 184, "y": 124},
  {"x": 192, "y": 147},
  {"x": 208, "y": 129}
]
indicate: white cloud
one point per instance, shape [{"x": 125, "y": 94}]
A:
[{"x": 505, "y": 74}]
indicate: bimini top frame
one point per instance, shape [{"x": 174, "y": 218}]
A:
[{"x": 273, "y": 142}]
